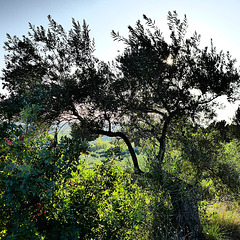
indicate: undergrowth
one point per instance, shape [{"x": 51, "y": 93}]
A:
[{"x": 221, "y": 221}]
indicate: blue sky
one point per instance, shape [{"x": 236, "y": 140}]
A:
[{"x": 216, "y": 19}]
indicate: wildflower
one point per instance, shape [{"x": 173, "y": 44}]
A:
[
  {"x": 21, "y": 138},
  {"x": 9, "y": 142},
  {"x": 72, "y": 183}
]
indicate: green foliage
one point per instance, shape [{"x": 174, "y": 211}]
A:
[
  {"x": 198, "y": 155},
  {"x": 100, "y": 144},
  {"x": 29, "y": 116},
  {"x": 9, "y": 130},
  {"x": 30, "y": 172},
  {"x": 80, "y": 133},
  {"x": 74, "y": 148},
  {"x": 47, "y": 193},
  {"x": 228, "y": 166},
  {"x": 197, "y": 166},
  {"x": 199, "y": 148},
  {"x": 11, "y": 106},
  {"x": 106, "y": 204}
]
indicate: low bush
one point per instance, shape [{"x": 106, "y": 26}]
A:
[{"x": 48, "y": 193}]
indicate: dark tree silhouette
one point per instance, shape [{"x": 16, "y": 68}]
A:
[
  {"x": 57, "y": 71},
  {"x": 165, "y": 81}
]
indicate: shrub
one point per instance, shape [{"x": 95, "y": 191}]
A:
[{"x": 46, "y": 193}]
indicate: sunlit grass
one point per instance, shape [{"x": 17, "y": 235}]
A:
[{"x": 222, "y": 221}]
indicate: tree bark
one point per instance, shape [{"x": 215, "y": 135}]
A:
[
  {"x": 129, "y": 145},
  {"x": 185, "y": 210},
  {"x": 162, "y": 141},
  {"x": 109, "y": 133}
]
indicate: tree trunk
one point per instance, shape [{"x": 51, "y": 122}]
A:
[
  {"x": 185, "y": 205},
  {"x": 115, "y": 134},
  {"x": 162, "y": 141},
  {"x": 184, "y": 199},
  {"x": 126, "y": 140}
]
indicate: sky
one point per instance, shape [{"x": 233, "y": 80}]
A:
[{"x": 213, "y": 19}]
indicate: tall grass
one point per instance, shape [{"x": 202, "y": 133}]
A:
[{"x": 222, "y": 221}]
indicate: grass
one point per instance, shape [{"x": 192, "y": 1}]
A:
[{"x": 222, "y": 221}]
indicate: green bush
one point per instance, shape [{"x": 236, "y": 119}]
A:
[{"x": 47, "y": 193}]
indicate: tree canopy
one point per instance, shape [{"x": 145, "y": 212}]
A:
[
  {"x": 154, "y": 83},
  {"x": 57, "y": 71},
  {"x": 164, "y": 81}
]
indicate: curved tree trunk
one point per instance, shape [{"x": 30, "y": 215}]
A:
[
  {"x": 114, "y": 134},
  {"x": 126, "y": 140}
]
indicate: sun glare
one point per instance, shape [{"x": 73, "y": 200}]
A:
[{"x": 169, "y": 61}]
